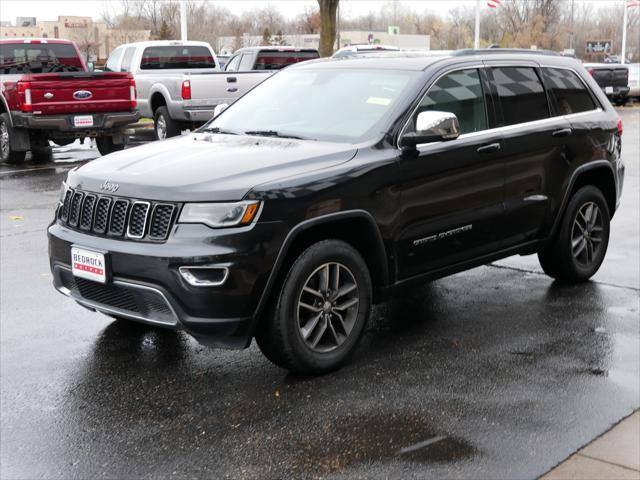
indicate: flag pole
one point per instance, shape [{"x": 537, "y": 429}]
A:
[
  {"x": 476, "y": 42},
  {"x": 624, "y": 33}
]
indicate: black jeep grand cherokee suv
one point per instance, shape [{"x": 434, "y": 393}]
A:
[{"x": 335, "y": 182}]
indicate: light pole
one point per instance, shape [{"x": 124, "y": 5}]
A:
[{"x": 183, "y": 20}]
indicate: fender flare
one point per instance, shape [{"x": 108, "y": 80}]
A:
[
  {"x": 5, "y": 106},
  {"x": 162, "y": 90},
  {"x": 572, "y": 181},
  {"x": 313, "y": 222}
]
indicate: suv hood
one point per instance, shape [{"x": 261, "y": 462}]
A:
[{"x": 206, "y": 167}]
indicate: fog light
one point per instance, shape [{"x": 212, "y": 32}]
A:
[{"x": 205, "y": 275}]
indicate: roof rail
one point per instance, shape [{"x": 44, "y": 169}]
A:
[{"x": 498, "y": 51}]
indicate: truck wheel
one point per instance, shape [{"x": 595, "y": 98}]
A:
[
  {"x": 321, "y": 310},
  {"x": 41, "y": 151},
  {"x": 577, "y": 252},
  {"x": 7, "y": 154},
  {"x": 164, "y": 125},
  {"x": 106, "y": 146}
]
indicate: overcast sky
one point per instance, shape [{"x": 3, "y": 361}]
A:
[{"x": 50, "y": 9}]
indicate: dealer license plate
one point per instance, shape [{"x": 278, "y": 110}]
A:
[
  {"x": 608, "y": 89},
  {"x": 83, "y": 121},
  {"x": 88, "y": 264}
]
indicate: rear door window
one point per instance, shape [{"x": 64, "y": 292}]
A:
[
  {"x": 246, "y": 63},
  {"x": 521, "y": 94},
  {"x": 114, "y": 60},
  {"x": 172, "y": 57},
  {"x": 569, "y": 91},
  {"x": 275, "y": 60},
  {"x": 459, "y": 93},
  {"x": 232, "y": 65},
  {"x": 126, "y": 59}
]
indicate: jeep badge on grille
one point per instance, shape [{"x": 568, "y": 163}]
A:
[{"x": 109, "y": 187}]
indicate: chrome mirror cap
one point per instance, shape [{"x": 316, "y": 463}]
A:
[{"x": 432, "y": 126}]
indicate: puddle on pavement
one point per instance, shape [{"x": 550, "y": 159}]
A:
[{"x": 396, "y": 437}]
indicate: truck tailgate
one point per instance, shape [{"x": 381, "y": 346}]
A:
[
  {"x": 61, "y": 93},
  {"x": 610, "y": 77}
]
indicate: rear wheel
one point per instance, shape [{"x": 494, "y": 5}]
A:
[
  {"x": 41, "y": 151},
  {"x": 106, "y": 146},
  {"x": 7, "y": 154},
  {"x": 579, "y": 249},
  {"x": 164, "y": 125},
  {"x": 321, "y": 311}
]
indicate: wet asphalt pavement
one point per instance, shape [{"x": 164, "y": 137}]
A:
[{"x": 493, "y": 373}]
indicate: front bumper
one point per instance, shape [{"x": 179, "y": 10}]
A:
[
  {"x": 145, "y": 284},
  {"x": 62, "y": 125}
]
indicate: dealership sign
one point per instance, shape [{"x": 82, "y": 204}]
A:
[{"x": 598, "y": 47}]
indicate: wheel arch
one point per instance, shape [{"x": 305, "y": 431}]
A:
[
  {"x": 355, "y": 227},
  {"x": 600, "y": 174},
  {"x": 156, "y": 101}
]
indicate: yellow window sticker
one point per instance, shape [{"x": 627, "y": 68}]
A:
[{"x": 379, "y": 101}]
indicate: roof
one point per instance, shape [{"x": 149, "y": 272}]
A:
[
  {"x": 420, "y": 60},
  {"x": 165, "y": 43},
  {"x": 275, "y": 48},
  {"x": 34, "y": 40}
]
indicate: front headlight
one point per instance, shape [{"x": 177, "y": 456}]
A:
[{"x": 219, "y": 215}]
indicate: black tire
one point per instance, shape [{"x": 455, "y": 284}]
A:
[
  {"x": 63, "y": 142},
  {"x": 573, "y": 264},
  {"x": 7, "y": 154},
  {"x": 41, "y": 151},
  {"x": 163, "y": 125},
  {"x": 280, "y": 336},
  {"x": 106, "y": 146}
]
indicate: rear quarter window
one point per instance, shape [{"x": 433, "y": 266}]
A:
[
  {"x": 569, "y": 91},
  {"x": 521, "y": 94},
  {"x": 176, "y": 57}
]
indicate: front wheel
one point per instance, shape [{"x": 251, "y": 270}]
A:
[
  {"x": 578, "y": 251},
  {"x": 106, "y": 145},
  {"x": 321, "y": 311}
]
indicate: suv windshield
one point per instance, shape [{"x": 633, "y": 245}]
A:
[
  {"x": 38, "y": 58},
  {"x": 338, "y": 105}
]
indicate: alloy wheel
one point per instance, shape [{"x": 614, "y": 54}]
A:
[
  {"x": 328, "y": 307},
  {"x": 586, "y": 234},
  {"x": 4, "y": 140},
  {"x": 161, "y": 127}
]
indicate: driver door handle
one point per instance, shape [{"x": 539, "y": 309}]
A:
[
  {"x": 492, "y": 147},
  {"x": 564, "y": 132}
]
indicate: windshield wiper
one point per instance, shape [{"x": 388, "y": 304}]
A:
[
  {"x": 219, "y": 130},
  {"x": 273, "y": 133}
]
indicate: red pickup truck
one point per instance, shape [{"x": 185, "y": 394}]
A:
[{"x": 48, "y": 93}]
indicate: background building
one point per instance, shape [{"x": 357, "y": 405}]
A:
[
  {"x": 229, "y": 44},
  {"x": 95, "y": 40}
]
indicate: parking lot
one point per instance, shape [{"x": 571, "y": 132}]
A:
[{"x": 493, "y": 373}]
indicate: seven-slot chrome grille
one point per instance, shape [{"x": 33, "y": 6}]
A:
[{"x": 116, "y": 216}]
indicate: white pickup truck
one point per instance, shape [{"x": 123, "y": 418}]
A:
[{"x": 180, "y": 83}]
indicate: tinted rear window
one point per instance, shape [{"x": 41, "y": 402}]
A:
[
  {"x": 176, "y": 57},
  {"x": 277, "y": 60},
  {"x": 38, "y": 58},
  {"x": 570, "y": 93},
  {"x": 521, "y": 95}
]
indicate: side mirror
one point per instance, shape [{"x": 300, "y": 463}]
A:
[
  {"x": 432, "y": 126},
  {"x": 219, "y": 109},
  {"x": 90, "y": 66}
]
